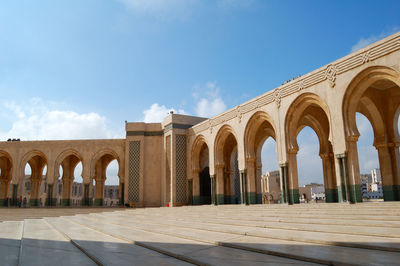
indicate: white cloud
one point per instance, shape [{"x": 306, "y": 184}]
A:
[
  {"x": 34, "y": 120},
  {"x": 212, "y": 104},
  {"x": 373, "y": 38},
  {"x": 156, "y": 113}
]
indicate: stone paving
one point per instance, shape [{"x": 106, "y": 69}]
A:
[{"x": 361, "y": 234}]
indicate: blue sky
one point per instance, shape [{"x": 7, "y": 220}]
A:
[{"x": 78, "y": 69}]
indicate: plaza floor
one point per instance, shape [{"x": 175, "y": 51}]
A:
[{"x": 360, "y": 234}]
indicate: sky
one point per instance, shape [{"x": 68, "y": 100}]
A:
[{"x": 79, "y": 69}]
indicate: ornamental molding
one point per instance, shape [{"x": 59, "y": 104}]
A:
[{"x": 328, "y": 73}]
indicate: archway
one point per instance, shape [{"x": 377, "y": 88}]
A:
[
  {"x": 260, "y": 134},
  {"x": 201, "y": 181},
  {"x": 309, "y": 110},
  {"x": 99, "y": 174},
  {"x": 33, "y": 191},
  {"x": 65, "y": 190},
  {"x": 374, "y": 93},
  {"x": 111, "y": 188},
  {"x": 225, "y": 183},
  {"x": 6, "y": 165}
]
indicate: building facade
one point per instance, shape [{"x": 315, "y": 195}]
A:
[{"x": 193, "y": 160}]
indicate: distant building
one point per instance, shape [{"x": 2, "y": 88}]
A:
[{"x": 271, "y": 187}]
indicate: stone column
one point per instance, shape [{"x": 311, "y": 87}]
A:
[
  {"x": 50, "y": 199},
  {"x": 219, "y": 184},
  {"x": 99, "y": 192},
  {"x": 354, "y": 179},
  {"x": 329, "y": 182},
  {"x": 121, "y": 193},
  {"x": 251, "y": 188},
  {"x": 243, "y": 187},
  {"x": 4, "y": 186},
  {"x": 395, "y": 160},
  {"x": 258, "y": 183},
  {"x": 35, "y": 190},
  {"x": 213, "y": 190},
  {"x": 385, "y": 166},
  {"x": 293, "y": 180},
  {"x": 196, "y": 186},
  {"x": 67, "y": 182},
  {"x": 14, "y": 196},
  {"x": 343, "y": 186},
  {"x": 283, "y": 172}
]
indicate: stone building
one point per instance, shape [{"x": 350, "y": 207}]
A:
[
  {"x": 193, "y": 160},
  {"x": 271, "y": 187}
]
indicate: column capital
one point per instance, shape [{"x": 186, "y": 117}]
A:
[
  {"x": 293, "y": 150},
  {"x": 353, "y": 138},
  {"x": 219, "y": 165}
]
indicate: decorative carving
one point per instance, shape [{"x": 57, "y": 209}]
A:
[
  {"x": 300, "y": 85},
  {"x": 210, "y": 126},
  {"x": 277, "y": 97},
  {"x": 330, "y": 74},
  {"x": 365, "y": 57},
  {"x": 239, "y": 113}
]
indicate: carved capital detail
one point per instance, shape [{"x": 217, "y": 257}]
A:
[
  {"x": 365, "y": 57},
  {"x": 277, "y": 97}
]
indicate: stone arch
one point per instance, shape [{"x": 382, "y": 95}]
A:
[
  {"x": 37, "y": 161},
  {"x": 68, "y": 159},
  {"x": 357, "y": 87},
  {"x": 98, "y": 168},
  {"x": 224, "y": 145},
  {"x": 6, "y": 165},
  {"x": 63, "y": 155},
  {"x": 375, "y": 93},
  {"x": 201, "y": 171},
  {"x": 258, "y": 129},
  {"x": 310, "y": 110}
]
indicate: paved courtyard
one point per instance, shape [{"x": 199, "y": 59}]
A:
[{"x": 361, "y": 234}]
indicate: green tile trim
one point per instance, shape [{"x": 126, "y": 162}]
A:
[
  {"x": 220, "y": 199},
  {"x": 251, "y": 197},
  {"x": 339, "y": 194},
  {"x": 98, "y": 202},
  {"x": 144, "y": 133},
  {"x": 3, "y": 202},
  {"x": 259, "y": 198},
  {"x": 178, "y": 126},
  {"x": 33, "y": 202},
  {"x": 294, "y": 196},
  {"x": 391, "y": 193},
  {"x": 51, "y": 202},
  {"x": 66, "y": 202},
  {"x": 331, "y": 195},
  {"x": 196, "y": 200},
  {"x": 355, "y": 193}
]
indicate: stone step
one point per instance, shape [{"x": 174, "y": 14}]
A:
[
  {"x": 42, "y": 245},
  {"x": 318, "y": 253},
  {"x": 198, "y": 252},
  {"x": 110, "y": 250},
  {"x": 10, "y": 241},
  {"x": 327, "y": 238}
]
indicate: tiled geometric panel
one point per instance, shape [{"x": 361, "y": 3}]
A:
[
  {"x": 180, "y": 168},
  {"x": 134, "y": 171}
]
